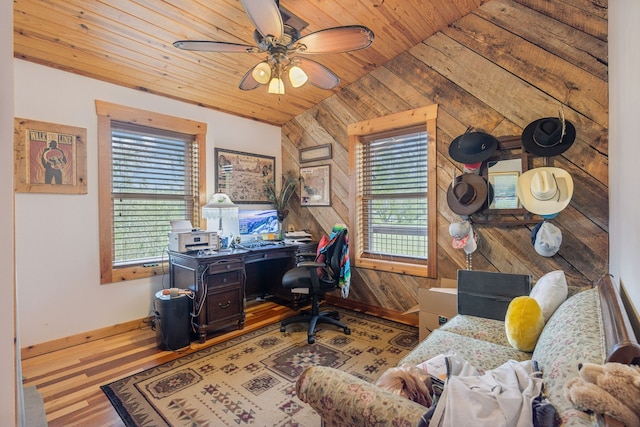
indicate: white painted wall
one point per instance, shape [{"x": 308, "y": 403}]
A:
[
  {"x": 57, "y": 235},
  {"x": 624, "y": 146},
  {"x": 9, "y": 351}
]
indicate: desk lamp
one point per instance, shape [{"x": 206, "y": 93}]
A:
[{"x": 222, "y": 209}]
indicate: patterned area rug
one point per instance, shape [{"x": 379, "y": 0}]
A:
[{"x": 250, "y": 380}]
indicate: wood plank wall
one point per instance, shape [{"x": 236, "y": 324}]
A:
[{"x": 497, "y": 69}]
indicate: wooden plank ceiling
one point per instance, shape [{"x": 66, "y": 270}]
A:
[{"x": 129, "y": 43}]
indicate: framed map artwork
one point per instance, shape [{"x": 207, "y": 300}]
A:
[
  {"x": 315, "y": 186},
  {"x": 242, "y": 176}
]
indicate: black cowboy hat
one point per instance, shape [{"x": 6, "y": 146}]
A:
[
  {"x": 545, "y": 137},
  {"x": 473, "y": 147}
]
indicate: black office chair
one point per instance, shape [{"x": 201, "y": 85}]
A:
[{"x": 317, "y": 278}]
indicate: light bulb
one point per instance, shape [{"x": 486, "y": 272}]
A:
[
  {"x": 297, "y": 76},
  {"x": 262, "y": 73},
  {"x": 276, "y": 86}
]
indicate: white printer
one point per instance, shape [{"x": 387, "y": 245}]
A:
[{"x": 182, "y": 238}]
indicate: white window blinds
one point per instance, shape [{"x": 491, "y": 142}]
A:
[
  {"x": 393, "y": 185},
  {"x": 154, "y": 181}
]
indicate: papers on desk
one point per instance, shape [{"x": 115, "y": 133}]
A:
[
  {"x": 297, "y": 234},
  {"x": 294, "y": 237}
]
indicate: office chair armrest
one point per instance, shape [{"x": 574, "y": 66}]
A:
[
  {"x": 310, "y": 264},
  {"x": 306, "y": 254}
]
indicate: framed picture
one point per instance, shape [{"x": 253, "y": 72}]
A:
[
  {"x": 315, "y": 185},
  {"x": 505, "y": 195},
  {"x": 49, "y": 158},
  {"x": 242, "y": 176},
  {"x": 321, "y": 152}
]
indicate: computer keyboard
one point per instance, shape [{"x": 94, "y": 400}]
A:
[{"x": 260, "y": 244}]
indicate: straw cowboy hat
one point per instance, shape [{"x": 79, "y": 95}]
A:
[
  {"x": 549, "y": 136},
  {"x": 467, "y": 194},
  {"x": 545, "y": 190},
  {"x": 473, "y": 147}
]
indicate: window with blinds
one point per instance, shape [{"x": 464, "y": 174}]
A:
[
  {"x": 393, "y": 185},
  {"x": 392, "y": 193},
  {"x": 154, "y": 180}
]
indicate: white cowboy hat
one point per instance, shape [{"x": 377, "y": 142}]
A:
[{"x": 545, "y": 190}]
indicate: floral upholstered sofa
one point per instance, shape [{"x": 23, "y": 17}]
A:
[{"x": 589, "y": 326}]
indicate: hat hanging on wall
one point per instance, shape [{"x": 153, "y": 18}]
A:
[
  {"x": 473, "y": 147},
  {"x": 467, "y": 194},
  {"x": 463, "y": 236},
  {"x": 549, "y": 136},
  {"x": 545, "y": 190},
  {"x": 546, "y": 239}
]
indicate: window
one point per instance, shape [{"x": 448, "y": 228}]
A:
[
  {"x": 148, "y": 175},
  {"x": 393, "y": 193}
]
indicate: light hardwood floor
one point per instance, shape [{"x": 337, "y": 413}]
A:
[{"x": 70, "y": 379}]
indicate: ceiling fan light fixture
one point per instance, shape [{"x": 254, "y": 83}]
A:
[
  {"x": 297, "y": 76},
  {"x": 277, "y": 34},
  {"x": 262, "y": 73},
  {"x": 276, "y": 86}
]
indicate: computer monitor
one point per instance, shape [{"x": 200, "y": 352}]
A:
[{"x": 254, "y": 222}]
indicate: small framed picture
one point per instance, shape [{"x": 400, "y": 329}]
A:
[
  {"x": 50, "y": 158},
  {"x": 321, "y": 152},
  {"x": 505, "y": 195},
  {"x": 315, "y": 186}
]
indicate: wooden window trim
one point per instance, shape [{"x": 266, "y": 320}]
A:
[
  {"x": 356, "y": 132},
  {"x": 107, "y": 112}
]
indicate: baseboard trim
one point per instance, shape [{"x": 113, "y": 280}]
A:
[
  {"x": 85, "y": 337},
  {"x": 407, "y": 319},
  {"x": 82, "y": 338}
]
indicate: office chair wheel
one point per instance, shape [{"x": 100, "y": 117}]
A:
[
  {"x": 347, "y": 331},
  {"x": 311, "y": 339},
  {"x": 283, "y": 328}
]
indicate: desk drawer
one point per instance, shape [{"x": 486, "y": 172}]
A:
[
  {"x": 267, "y": 254},
  {"x": 225, "y": 265},
  {"x": 222, "y": 279},
  {"x": 225, "y": 304}
]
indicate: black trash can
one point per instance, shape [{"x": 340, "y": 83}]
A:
[{"x": 172, "y": 321}]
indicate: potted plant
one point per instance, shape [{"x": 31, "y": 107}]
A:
[{"x": 280, "y": 199}]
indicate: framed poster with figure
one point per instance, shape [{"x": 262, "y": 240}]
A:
[
  {"x": 315, "y": 186},
  {"x": 49, "y": 158},
  {"x": 242, "y": 176}
]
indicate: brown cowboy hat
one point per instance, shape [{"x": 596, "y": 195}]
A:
[{"x": 467, "y": 194}]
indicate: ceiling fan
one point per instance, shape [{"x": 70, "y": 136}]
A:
[{"x": 281, "y": 42}]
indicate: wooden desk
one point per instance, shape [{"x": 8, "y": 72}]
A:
[{"x": 224, "y": 279}]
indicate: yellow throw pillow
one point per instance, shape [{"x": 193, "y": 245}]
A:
[{"x": 523, "y": 323}]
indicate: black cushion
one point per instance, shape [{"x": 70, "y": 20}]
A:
[{"x": 301, "y": 278}]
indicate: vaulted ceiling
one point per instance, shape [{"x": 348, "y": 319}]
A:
[{"x": 129, "y": 43}]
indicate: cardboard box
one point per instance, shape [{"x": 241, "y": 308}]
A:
[
  {"x": 444, "y": 283},
  {"x": 437, "y": 306}
]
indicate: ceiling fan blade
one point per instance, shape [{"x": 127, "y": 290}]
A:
[
  {"x": 319, "y": 75},
  {"x": 211, "y": 46},
  {"x": 248, "y": 82},
  {"x": 336, "y": 40},
  {"x": 265, "y": 17}
]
